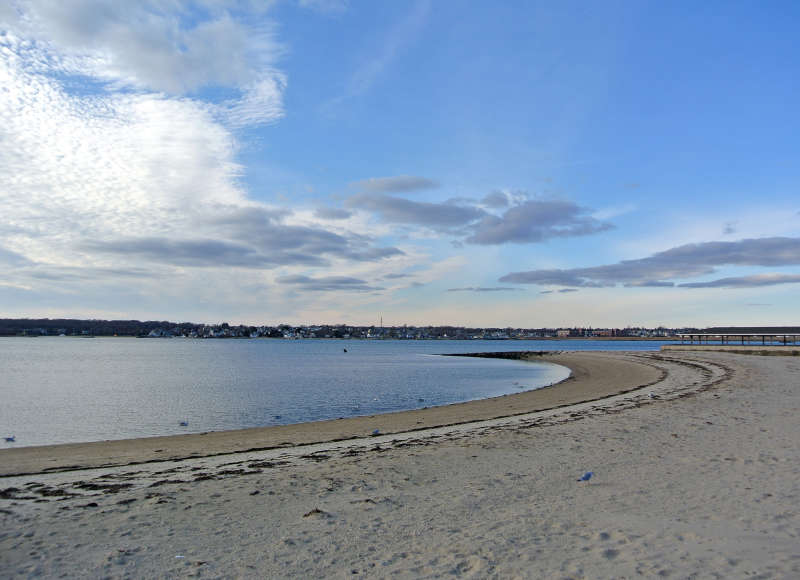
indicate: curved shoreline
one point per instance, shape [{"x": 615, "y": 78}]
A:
[
  {"x": 694, "y": 476},
  {"x": 594, "y": 375}
]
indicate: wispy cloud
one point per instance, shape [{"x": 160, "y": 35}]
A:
[
  {"x": 261, "y": 102},
  {"x": 489, "y": 289},
  {"x": 397, "y": 184},
  {"x": 729, "y": 228},
  {"x": 611, "y": 212},
  {"x": 66, "y": 274},
  {"x": 403, "y": 211},
  {"x": 199, "y": 253},
  {"x": 682, "y": 262},
  {"x": 378, "y": 59},
  {"x": 496, "y": 199},
  {"x": 332, "y": 213},
  {"x": 262, "y": 229},
  {"x": 249, "y": 245},
  {"x": 650, "y": 284},
  {"x": 9, "y": 258},
  {"x": 325, "y": 6},
  {"x": 753, "y": 281},
  {"x": 328, "y": 283}
]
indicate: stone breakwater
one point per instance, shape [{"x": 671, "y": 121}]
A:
[{"x": 518, "y": 355}]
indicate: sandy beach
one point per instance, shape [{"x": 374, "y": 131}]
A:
[{"x": 694, "y": 454}]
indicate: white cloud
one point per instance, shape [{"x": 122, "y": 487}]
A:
[
  {"x": 261, "y": 102},
  {"x": 92, "y": 159},
  {"x": 102, "y": 165},
  {"x": 113, "y": 183},
  {"x": 158, "y": 45},
  {"x": 8, "y": 14}
]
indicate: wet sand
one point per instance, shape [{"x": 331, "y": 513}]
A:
[{"x": 695, "y": 475}]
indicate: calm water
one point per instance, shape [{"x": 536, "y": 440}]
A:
[{"x": 61, "y": 389}]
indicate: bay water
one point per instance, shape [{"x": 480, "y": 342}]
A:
[{"x": 68, "y": 389}]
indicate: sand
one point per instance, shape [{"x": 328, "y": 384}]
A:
[{"x": 696, "y": 475}]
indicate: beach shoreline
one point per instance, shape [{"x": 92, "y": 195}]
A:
[
  {"x": 695, "y": 475},
  {"x": 594, "y": 375}
]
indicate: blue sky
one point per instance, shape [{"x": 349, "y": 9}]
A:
[{"x": 484, "y": 163}]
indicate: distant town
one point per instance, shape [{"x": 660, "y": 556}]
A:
[{"x": 165, "y": 329}]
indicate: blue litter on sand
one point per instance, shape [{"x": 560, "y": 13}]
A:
[
  {"x": 10, "y": 439},
  {"x": 376, "y": 432},
  {"x": 184, "y": 423},
  {"x": 587, "y": 476}
]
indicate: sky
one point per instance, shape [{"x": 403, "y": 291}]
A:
[{"x": 523, "y": 164}]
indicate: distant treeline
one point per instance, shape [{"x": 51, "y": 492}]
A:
[
  {"x": 71, "y": 326},
  {"x": 164, "y": 328}
]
